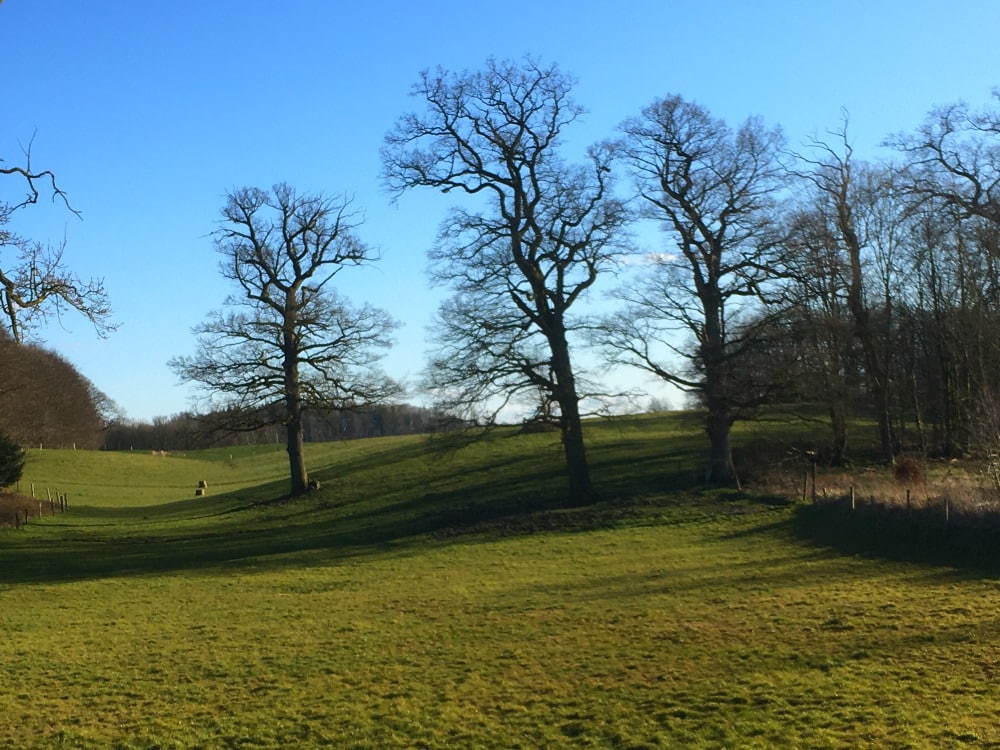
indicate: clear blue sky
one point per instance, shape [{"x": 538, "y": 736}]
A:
[{"x": 150, "y": 112}]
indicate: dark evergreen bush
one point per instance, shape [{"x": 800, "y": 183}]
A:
[{"x": 12, "y": 458}]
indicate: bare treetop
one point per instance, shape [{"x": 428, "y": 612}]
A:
[
  {"x": 481, "y": 129},
  {"x": 954, "y": 158},
  {"x": 276, "y": 242},
  {"x": 682, "y": 157}
]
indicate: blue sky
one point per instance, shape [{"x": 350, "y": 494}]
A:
[{"x": 150, "y": 112}]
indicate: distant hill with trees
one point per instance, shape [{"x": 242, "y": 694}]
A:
[
  {"x": 188, "y": 431},
  {"x": 44, "y": 400}
]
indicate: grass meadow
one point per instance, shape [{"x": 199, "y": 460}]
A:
[{"x": 432, "y": 598}]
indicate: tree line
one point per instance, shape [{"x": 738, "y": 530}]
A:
[
  {"x": 190, "y": 431},
  {"x": 788, "y": 275}
]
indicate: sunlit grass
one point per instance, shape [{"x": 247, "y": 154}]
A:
[{"x": 429, "y": 599}]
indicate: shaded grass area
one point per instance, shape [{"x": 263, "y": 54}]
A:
[
  {"x": 387, "y": 492},
  {"x": 922, "y": 536},
  {"x": 448, "y": 599}
]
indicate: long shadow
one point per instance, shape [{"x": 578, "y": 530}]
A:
[
  {"x": 973, "y": 551},
  {"x": 72, "y": 557},
  {"x": 327, "y": 526},
  {"x": 386, "y": 498}
]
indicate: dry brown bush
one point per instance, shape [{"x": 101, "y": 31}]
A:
[
  {"x": 909, "y": 473},
  {"x": 12, "y": 502}
]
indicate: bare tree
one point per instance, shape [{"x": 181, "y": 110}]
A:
[
  {"x": 953, "y": 170},
  {"x": 538, "y": 234},
  {"x": 954, "y": 159},
  {"x": 287, "y": 337},
  {"x": 35, "y": 282},
  {"x": 38, "y": 285},
  {"x": 694, "y": 319},
  {"x": 819, "y": 324},
  {"x": 861, "y": 213}
]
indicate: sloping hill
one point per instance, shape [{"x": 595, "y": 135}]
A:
[{"x": 445, "y": 598}]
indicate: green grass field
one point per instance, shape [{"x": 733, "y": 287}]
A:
[{"x": 446, "y": 599}]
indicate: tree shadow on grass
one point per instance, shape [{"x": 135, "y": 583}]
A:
[
  {"x": 390, "y": 496},
  {"x": 259, "y": 529},
  {"x": 273, "y": 545},
  {"x": 973, "y": 551}
]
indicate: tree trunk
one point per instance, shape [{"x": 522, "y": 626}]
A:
[
  {"x": 298, "y": 477},
  {"x": 885, "y": 431},
  {"x": 838, "y": 426},
  {"x": 720, "y": 469},
  {"x": 581, "y": 491},
  {"x": 719, "y": 422},
  {"x": 296, "y": 457},
  {"x": 918, "y": 414}
]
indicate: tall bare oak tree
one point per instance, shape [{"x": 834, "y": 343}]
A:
[
  {"x": 288, "y": 337},
  {"x": 694, "y": 319},
  {"x": 533, "y": 237}
]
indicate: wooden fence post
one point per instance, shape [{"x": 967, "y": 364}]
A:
[{"x": 853, "y": 499}]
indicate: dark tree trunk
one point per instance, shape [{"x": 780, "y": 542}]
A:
[
  {"x": 885, "y": 431},
  {"x": 296, "y": 457},
  {"x": 719, "y": 422},
  {"x": 720, "y": 469},
  {"x": 581, "y": 491},
  {"x": 876, "y": 368},
  {"x": 838, "y": 428},
  {"x": 293, "y": 416}
]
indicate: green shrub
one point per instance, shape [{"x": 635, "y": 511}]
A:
[{"x": 12, "y": 458}]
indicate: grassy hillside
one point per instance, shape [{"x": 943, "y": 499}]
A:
[{"x": 429, "y": 598}]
